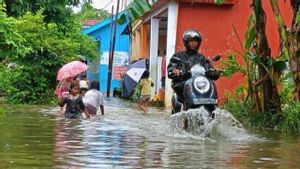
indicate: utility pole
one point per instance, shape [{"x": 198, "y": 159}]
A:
[{"x": 112, "y": 50}]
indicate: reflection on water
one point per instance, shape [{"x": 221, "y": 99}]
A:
[{"x": 127, "y": 138}]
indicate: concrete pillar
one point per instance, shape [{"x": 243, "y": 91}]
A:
[
  {"x": 171, "y": 44},
  {"x": 154, "y": 33}
]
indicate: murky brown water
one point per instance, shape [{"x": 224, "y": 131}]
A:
[{"x": 126, "y": 138}]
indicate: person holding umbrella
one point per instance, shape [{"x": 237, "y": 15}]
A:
[
  {"x": 133, "y": 76},
  {"x": 65, "y": 76},
  {"x": 62, "y": 89}
]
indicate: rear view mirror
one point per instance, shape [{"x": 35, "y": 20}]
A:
[{"x": 216, "y": 58}]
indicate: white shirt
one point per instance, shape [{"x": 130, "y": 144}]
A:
[
  {"x": 83, "y": 84},
  {"x": 94, "y": 98}
]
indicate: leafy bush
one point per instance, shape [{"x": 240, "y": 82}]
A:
[
  {"x": 231, "y": 66},
  {"x": 20, "y": 86},
  {"x": 288, "y": 121},
  {"x": 39, "y": 50}
]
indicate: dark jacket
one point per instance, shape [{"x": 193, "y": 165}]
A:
[
  {"x": 74, "y": 107},
  {"x": 185, "y": 61}
]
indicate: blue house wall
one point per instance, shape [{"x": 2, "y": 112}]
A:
[{"x": 101, "y": 32}]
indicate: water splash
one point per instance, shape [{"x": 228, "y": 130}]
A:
[{"x": 197, "y": 123}]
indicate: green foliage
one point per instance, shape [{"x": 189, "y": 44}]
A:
[
  {"x": 122, "y": 19},
  {"x": 290, "y": 123},
  {"x": 2, "y": 108},
  {"x": 59, "y": 12},
  {"x": 249, "y": 118},
  {"x": 262, "y": 72},
  {"x": 19, "y": 8},
  {"x": 219, "y": 2},
  {"x": 135, "y": 10},
  {"x": 11, "y": 43},
  {"x": 291, "y": 120},
  {"x": 63, "y": 17},
  {"x": 89, "y": 12},
  {"x": 48, "y": 45},
  {"x": 234, "y": 103},
  {"x": 21, "y": 86},
  {"x": 2, "y": 111},
  {"x": 287, "y": 88},
  {"x": 287, "y": 122},
  {"x": 298, "y": 15},
  {"x": 231, "y": 66},
  {"x": 39, "y": 49},
  {"x": 136, "y": 93},
  {"x": 250, "y": 33}
]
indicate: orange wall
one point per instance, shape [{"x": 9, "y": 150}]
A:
[
  {"x": 140, "y": 42},
  {"x": 145, "y": 41},
  {"x": 136, "y": 45},
  {"x": 215, "y": 24}
]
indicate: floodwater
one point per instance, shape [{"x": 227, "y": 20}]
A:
[{"x": 126, "y": 138}]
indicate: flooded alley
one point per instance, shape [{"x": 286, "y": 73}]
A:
[{"x": 127, "y": 138}]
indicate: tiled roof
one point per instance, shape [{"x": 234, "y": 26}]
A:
[{"x": 91, "y": 22}]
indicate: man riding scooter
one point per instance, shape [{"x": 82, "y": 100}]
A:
[{"x": 179, "y": 68}]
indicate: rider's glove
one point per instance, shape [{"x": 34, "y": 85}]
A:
[
  {"x": 212, "y": 73},
  {"x": 185, "y": 74}
]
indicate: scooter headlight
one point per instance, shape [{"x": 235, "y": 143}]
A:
[{"x": 201, "y": 84}]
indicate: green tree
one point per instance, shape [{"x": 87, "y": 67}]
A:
[
  {"x": 261, "y": 69},
  {"x": 264, "y": 85},
  {"x": 89, "y": 12},
  {"x": 264, "y": 73},
  {"x": 18, "y": 8},
  {"x": 58, "y": 11},
  {"x": 290, "y": 42},
  {"x": 11, "y": 42},
  {"x": 39, "y": 51}
]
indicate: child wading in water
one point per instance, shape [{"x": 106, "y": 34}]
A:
[
  {"x": 93, "y": 99},
  {"x": 146, "y": 84},
  {"x": 62, "y": 89},
  {"x": 74, "y": 103}
]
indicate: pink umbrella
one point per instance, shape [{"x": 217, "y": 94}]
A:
[{"x": 71, "y": 69}]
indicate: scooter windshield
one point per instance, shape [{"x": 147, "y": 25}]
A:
[{"x": 197, "y": 70}]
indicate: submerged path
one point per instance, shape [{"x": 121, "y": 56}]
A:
[{"x": 127, "y": 138}]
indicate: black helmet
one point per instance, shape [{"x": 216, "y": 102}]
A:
[
  {"x": 189, "y": 35},
  {"x": 192, "y": 34}
]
